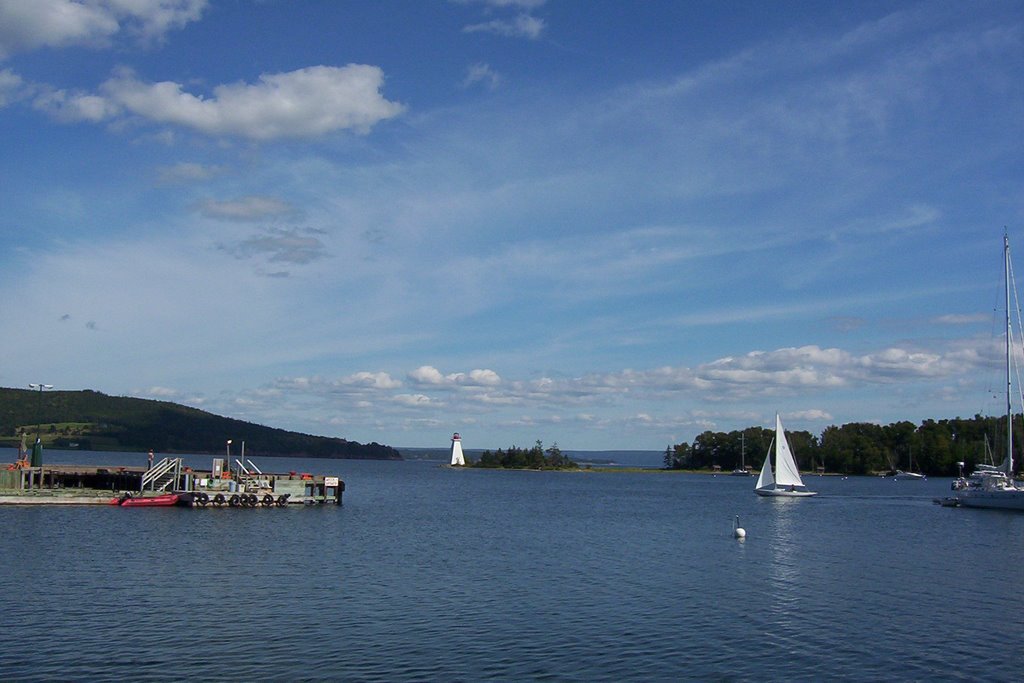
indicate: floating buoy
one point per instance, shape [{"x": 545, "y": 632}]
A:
[{"x": 737, "y": 530}]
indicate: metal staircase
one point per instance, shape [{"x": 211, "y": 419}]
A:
[
  {"x": 161, "y": 475},
  {"x": 251, "y": 478}
]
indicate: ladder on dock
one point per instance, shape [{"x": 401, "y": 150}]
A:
[{"x": 161, "y": 475}]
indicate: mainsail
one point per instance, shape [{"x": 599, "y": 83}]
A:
[{"x": 786, "y": 472}]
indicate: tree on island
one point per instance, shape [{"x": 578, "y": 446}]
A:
[
  {"x": 535, "y": 458},
  {"x": 672, "y": 459}
]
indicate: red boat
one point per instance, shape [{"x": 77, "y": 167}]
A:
[{"x": 163, "y": 500}]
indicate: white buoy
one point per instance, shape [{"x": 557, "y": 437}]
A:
[
  {"x": 457, "y": 457},
  {"x": 737, "y": 530}
]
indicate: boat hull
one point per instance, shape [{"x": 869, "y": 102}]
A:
[
  {"x": 784, "y": 493},
  {"x": 993, "y": 500},
  {"x": 166, "y": 500}
]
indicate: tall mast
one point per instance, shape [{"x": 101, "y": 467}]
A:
[{"x": 1009, "y": 406}]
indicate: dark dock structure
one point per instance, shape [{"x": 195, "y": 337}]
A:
[{"x": 167, "y": 482}]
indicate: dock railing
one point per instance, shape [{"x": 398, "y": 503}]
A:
[{"x": 161, "y": 475}]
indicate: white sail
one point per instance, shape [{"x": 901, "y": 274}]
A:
[
  {"x": 786, "y": 472},
  {"x": 766, "y": 478}
]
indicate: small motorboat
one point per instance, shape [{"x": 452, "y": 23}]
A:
[{"x": 163, "y": 500}]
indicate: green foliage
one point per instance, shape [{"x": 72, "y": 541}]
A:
[
  {"x": 535, "y": 458},
  {"x": 729, "y": 451},
  {"x": 933, "y": 447},
  {"x": 106, "y": 422}
]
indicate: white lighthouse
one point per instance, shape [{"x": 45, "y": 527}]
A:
[{"x": 457, "y": 458}]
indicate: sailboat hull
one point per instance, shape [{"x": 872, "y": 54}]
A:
[
  {"x": 784, "y": 493},
  {"x": 1012, "y": 499}
]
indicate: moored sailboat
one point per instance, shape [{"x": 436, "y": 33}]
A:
[
  {"x": 742, "y": 470},
  {"x": 910, "y": 474},
  {"x": 989, "y": 486},
  {"x": 785, "y": 481}
]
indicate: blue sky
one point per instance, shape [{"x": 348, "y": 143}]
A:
[{"x": 604, "y": 224}]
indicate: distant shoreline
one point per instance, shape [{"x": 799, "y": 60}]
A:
[{"x": 632, "y": 469}]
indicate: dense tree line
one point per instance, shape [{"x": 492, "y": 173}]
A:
[
  {"x": 934, "y": 447},
  {"x": 535, "y": 458},
  {"x": 135, "y": 424}
]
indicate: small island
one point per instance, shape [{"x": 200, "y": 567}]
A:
[{"x": 536, "y": 458}]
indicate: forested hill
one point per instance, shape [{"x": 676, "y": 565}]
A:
[{"x": 90, "y": 420}]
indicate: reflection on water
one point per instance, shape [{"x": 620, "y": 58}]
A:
[
  {"x": 786, "y": 559},
  {"x": 428, "y": 573}
]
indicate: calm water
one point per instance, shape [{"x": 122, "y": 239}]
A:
[{"x": 434, "y": 574}]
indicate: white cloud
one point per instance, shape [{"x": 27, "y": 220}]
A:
[
  {"x": 70, "y": 107},
  {"x": 373, "y": 380},
  {"x": 53, "y": 23},
  {"x": 31, "y": 24},
  {"x": 427, "y": 374},
  {"x": 483, "y": 378},
  {"x": 523, "y": 26},
  {"x": 893, "y": 363},
  {"x": 481, "y": 73},
  {"x": 152, "y": 19},
  {"x": 811, "y": 366},
  {"x": 307, "y": 102},
  {"x": 10, "y": 84},
  {"x": 431, "y": 376}
]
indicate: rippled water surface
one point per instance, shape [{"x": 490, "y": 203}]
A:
[{"x": 434, "y": 574}]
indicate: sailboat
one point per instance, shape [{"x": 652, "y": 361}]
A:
[
  {"x": 742, "y": 470},
  {"x": 990, "y": 486},
  {"x": 785, "y": 481},
  {"x": 910, "y": 474}
]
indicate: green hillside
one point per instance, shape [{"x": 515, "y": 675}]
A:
[{"x": 89, "y": 420}]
